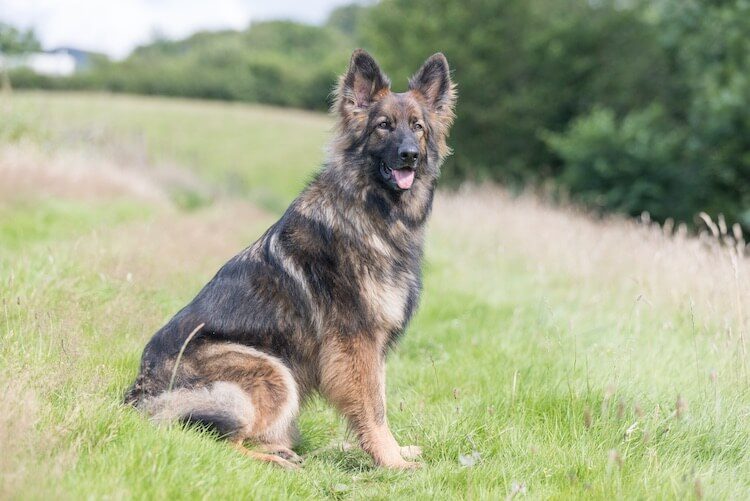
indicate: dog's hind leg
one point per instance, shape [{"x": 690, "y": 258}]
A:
[{"x": 245, "y": 395}]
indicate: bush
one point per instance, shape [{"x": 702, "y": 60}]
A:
[{"x": 630, "y": 165}]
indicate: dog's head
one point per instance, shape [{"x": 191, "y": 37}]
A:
[{"x": 402, "y": 136}]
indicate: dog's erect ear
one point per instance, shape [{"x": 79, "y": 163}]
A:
[
  {"x": 433, "y": 82},
  {"x": 362, "y": 84}
]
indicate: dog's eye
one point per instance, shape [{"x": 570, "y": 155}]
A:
[
  {"x": 384, "y": 125},
  {"x": 418, "y": 126}
]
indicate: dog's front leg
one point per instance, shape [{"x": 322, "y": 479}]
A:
[{"x": 353, "y": 379}]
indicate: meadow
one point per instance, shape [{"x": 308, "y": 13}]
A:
[{"x": 554, "y": 355}]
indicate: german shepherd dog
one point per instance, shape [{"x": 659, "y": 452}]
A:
[{"x": 317, "y": 302}]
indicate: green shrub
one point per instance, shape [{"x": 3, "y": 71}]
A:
[{"x": 629, "y": 165}]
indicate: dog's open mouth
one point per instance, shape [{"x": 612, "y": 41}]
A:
[{"x": 403, "y": 178}]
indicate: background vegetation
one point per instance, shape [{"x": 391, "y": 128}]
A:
[
  {"x": 621, "y": 105},
  {"x": 15, "y": 41}
]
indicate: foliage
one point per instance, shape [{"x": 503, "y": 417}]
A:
[
  {"x": 709, "y": 43},
  {"x": 347, "y": 18},
  {"x": 608, "y": 164},
  {"x": 522, "y": 66},
  {"x": 279, "y": 62},
  {"x": 15, "y": 41},
  {"x": 629, "y": 106}
]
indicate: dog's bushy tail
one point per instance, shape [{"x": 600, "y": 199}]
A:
[{"x": 221, "y": 406}]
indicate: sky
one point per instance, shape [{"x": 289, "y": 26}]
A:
[{"x": 115, "y": 27}]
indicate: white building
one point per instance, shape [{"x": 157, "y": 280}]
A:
[{"x": 59, "y": 64}]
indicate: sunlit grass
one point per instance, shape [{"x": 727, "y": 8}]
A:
[{"x": 551, "y": 357}]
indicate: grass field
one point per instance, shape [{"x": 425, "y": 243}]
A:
[{"x": 553, "y": 356}]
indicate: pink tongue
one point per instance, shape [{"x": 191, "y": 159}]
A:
[{"x": 404, "y": 178}]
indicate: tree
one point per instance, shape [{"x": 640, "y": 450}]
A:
[
  {"x": 346, "y": 18},
  {"x": 14, "y": 42},
  {"x": 522, "y": 67},
  {"x": 709, "y": 43}
]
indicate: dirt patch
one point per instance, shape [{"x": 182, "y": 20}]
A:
[{"x": 29, "y": 172}]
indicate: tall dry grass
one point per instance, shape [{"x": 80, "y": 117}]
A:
[
  {"x": 661, "y": 267},
  {"x": 28, "y": 172}
]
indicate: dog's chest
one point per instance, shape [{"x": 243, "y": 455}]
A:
[
  {"x": 386, "y": 300},
  {"x": 387, "y": 284}
]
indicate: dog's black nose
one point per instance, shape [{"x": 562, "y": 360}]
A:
[{"x": 408, "y": 154}]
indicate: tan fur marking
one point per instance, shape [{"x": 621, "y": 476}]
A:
[
  {"x": 384, "y": 298},
  {"x": 320, "y": 211},
  {"x": 175, "y": 404}
]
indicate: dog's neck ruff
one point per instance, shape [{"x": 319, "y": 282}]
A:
[{"x": 358, "y": 193}]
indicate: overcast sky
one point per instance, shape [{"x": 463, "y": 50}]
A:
[{"x": 115, "y": 27}]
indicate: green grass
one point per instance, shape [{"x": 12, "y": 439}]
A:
[
  {"x": 47, "y": 220},
  {"x": 262, "y": 152},
  {"x": 562, "y": 374}
]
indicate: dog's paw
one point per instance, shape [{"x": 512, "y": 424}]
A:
[
  {"x": 288, "y": 454},
  {"x": 283, "y": 463},
  {"x": 411, "y": 451},
  {"x": 410, "y": 465},
  {"x": 401, "y": 465},
  {"x": 288, "y": 465}
]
